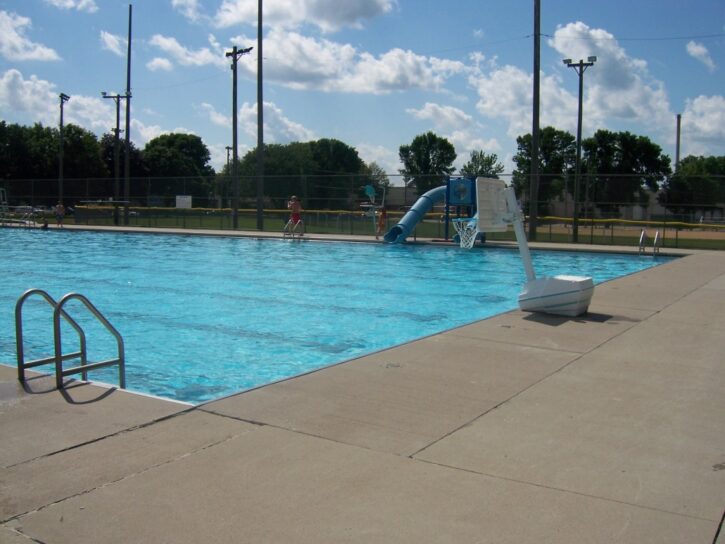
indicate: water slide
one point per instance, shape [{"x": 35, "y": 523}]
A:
[{"x": 416, "y": 213}]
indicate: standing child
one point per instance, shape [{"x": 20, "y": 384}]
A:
[
  {"x": 295, "y": 209},
  {"x": 59, "y": 214},
  {"x": 382, "y": 222}
]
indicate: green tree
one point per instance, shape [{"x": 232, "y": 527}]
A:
[
  {"x": 336, "y": 166},
  {"x": 82, "y": 164},
  {"x": 15, "y": 159},
  {"x": 181, "y": 161},
  {"x": 322, "y": 173},
  {"x": 557, "y": 156},
  {"x": 375, "y": 175},
  {"x": 31, "y": 154},
  {"x": 620, "y": 166},
  {"x": 482, "y": 164},
  {"x": 697, "y": 185},
  {"x": 82, "y": 154},
  {"x": 427, "y": 161},
  {"x": 42, "y": 146},
  {"x": 286, "y": 170},
  {"x": 177, "y": 155},
  {"x": 137, "y": 165},
  {"x": 21, "y": 159}
]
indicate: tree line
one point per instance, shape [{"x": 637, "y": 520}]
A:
[{"x": 617, "y": 168}]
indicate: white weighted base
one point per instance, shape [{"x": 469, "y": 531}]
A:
[{"x": 560, "y": 295}]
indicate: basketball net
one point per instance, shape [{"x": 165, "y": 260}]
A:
[{"x": 467, "y": 229}]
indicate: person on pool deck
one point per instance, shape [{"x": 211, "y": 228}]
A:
[
  {"x": 382, "y": 221},
  {"x": 295, "y": 213},
  {"x": 59, "y": 214}
]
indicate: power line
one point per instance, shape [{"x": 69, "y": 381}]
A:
[{"x": 651, "y": 39}]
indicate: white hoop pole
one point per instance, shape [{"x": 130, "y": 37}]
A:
[{"x": 515, "y": 214}]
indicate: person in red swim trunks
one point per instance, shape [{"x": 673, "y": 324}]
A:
[{"x": 295, "y": 209}]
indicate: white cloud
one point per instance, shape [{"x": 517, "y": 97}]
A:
[
  {"x": 458, "y": 128},
  {"x": 466, "y": 141},
  {"x": 700, "y": 52},
  {"x": 159, "y": 63},
  {"x": 215, "y": 117},
  {"x": 31, "y": 96},
  {"x": 306, "y": 63},
  {"x": 78, "y": 5},
  {"x": 277, "y": 127},
  {"x": 188, "y": 57},
  {"x": 505, "y": 93},
  {"x": 15, "y": 46},
  {"x": 218, "y": 154},
  {"x": 331, "y": 15},
  {"x": 38, "y": 100},
  {"x": 703, "y": 126},
  {"x": 328, "y": 15},
  {"x": 386, "y": 158},
  {"x": 142, "y": 133},
  {"x": 619, "y": 86},
  {"x": 113, "y": 43},
  {"x": 398, "y": 70},
  {"x": 188, "y": 8},
  {"x": 93, "y": 113},
  {"x": 442, "y": 117}
]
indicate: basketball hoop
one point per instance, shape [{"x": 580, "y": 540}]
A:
[{"x": 467, "y": 229}]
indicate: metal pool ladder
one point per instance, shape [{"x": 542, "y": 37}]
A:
[
  {"x": 643, "y": 242},
  {"x": 58, "y": 357}
]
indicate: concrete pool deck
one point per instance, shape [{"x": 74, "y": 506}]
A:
[{"x": 520, "y": 428}]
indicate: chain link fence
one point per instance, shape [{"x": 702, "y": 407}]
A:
[{"x": 335, "y": 204}]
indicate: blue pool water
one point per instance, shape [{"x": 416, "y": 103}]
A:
[{"x": 203, "y": 317}]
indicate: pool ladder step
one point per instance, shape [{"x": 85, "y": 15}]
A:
[
  {"x": 643, "y": 242},
  {"x": 58, "y": 357}
]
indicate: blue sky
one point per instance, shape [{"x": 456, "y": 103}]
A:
[{"x": 372, "y": 73}]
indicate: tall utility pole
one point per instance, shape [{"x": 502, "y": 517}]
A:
[
  {"x": 127, "y": 162},
  {"x": 534, "y": 181},
  {"x": 235, "y": 54},
  {"x": 260, "y": 124},
  {"x": 579, "y": 67},
  {"x": 63, "y": 99},
  {"x": 225, "y": 192},
  {"x": 677, "y": 148},
  {"x": 116, "y": 153}
]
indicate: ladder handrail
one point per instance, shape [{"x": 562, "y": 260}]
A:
[
  {"x": 120, "y": 361},
  {"x": 22, "y": 365},
  {"x": 642, "y": 240},
  {"x": 656, "y": 249}
]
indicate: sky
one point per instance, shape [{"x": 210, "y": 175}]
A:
[{"x": 371, "y": 73}]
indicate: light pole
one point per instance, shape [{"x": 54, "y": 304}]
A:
[
  {"x": 127, "y": 157},
  {"x": 534, "y": 181},
  {"x": 116, "y": 152},
  {"x": 225, "y": 192},
  {"x": 579, "y": 67},
  {"x": 63, "y": 99},
  {"x": 260, "y": 120},
  {"x": 235, "y": 54}
]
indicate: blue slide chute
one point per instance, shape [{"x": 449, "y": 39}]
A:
[{"x": 422, "y": 206}]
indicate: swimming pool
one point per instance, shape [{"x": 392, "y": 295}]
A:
[{"x": 203, "y": 317}]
